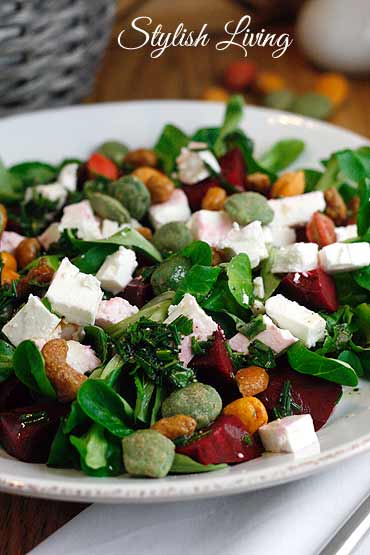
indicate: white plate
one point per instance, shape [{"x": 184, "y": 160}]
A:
[{"x": 56, "y": 134}]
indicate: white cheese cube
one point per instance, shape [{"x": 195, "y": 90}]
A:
[
  {"x": 117, "y": 269},
  {"x": 50, "y": 235},
  {"x": 258, "y": 287},
  {"x": 80, "y": 216},
  {"x": 299, "y": 257},
  {"x": 289, "y": 434},
  {"x": 344, "y": 257},
  {"x": 210, "y": 226},
  {"x": 193, "y": 165},
  {"x": 74, "y": 295},
  {"x": 346, "y": 232},
  {"x": 277, "y": 339},
  {"x": 203, "y": 325},
  {"x": 33, "y": 321},
  {"x": 68, "y": 177},
  {"x": 176, "y": 209},
  {"x": 81, "y": 357},
  {"x": 249, "y": 240},
  {"x": 113, "y": 311},
  {"x": 109, "y": 228},
  {"x": 299, "y": 320},
  {"x": 297, "y": 210},
  {"x": 9, "y": 241},
  {"x": 53, "y": 192},
  {"x": 278, "y": 236}
]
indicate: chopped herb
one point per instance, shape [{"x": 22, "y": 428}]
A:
[{"x": 247, "y": 439}]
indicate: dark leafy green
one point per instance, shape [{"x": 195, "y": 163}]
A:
[
  {"x": 100, "y": 454},
  {"x": 198, "y": 252},
  {"x": 232, "y": 118},
  {"x": 11, "y": 189},
  {"x": 282, "y": 154},
  {"x": 91, "y": 260},
  {"x": 97, "y": 338},
  {"x": 33, "y": 173},
  {"x": 182, "y": 464},
  {"x": 169, "y": 145},
  {"x": 239, "y": 274},
  {"x": 6, "y": 360},
  {"x": 29, "y": 367},
  {"x": 363, "y": 215},
  {"x": 198, "y": 281}
]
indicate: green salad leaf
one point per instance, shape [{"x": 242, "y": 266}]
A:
[
  {"x": 34, "y": 173},
  {"x": 99, "y": 456},
  {"x": 198, "y": 281},
  {"x": 232, "y": 118},
  {"x": 29, "y": 367},
  {"x": 169, "y": 145},
  {"x": 90, "y": 261},
  {"x": 97, "y": 338},
  {"x": 282, "y": 154},
  {"x": 182, "y": 464},
  {"x": 11, "y": 188},
  {"x": 239, "y": 274}
]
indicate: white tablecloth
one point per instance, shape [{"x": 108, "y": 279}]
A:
[{"x": 295, "y": 518}]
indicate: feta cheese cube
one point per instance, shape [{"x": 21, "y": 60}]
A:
[
  {"x": 81, "y": 357},
  {"x": 68, "y": 177},
  {"x": 109, "y": 228},
  {"x": 299, "y": 257},
  {"x": 50, "y": 235},
  {"x": 74, "y": 295},
  {"x": 297, "y": 210},
  {"x": 203, "y": 325},
  {"x": 53, "y": 192},
  {"x": 289, "y": 434},
  {"x": 9, "y": 241},
  {"x": 117, "y": 270},
  {"x": 33, "y": 321},
  {"x": 210, "y": 226},
  {"x": 277, "y": 339},
  {"x": 278, "y": 236},
  {"x": 193, "y": 165},
  {"x": 258, "y": 287},
  {"x": 176, "y": 209},
  {"x": 299, "y": 320},
  {"x": 346, "y": 232},
  {"x": 249, "y": 240},
  {"x": 113, "y": 311},
  {"x": 80, "y": 216},
  {"x": 344, "y": 257}
]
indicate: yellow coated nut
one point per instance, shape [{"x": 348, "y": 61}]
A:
[
  {"x": 268, "y": 82},
  {"x": 218, "y": 94},
  {"x": 289, "y": 184},
  {"x": 334, "y": 86},
  {"x": 144, "y": 173},
  {"x": 250, "y": 411}
]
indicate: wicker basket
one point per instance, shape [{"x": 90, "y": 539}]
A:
[{"x": 50, "y": 50}]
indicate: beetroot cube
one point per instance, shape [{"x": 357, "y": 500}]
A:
[
  {"x": 196, "y": 193},
  {"x": 137, "y": 292},
  {"x": 233, "y": 168},
  {"x": 312, "y": 395},
  {"x": 314, "y": 289},
  {"x": 13, "y": 393},
  {"x": 225, "y": 441},
  {"x": 27, "y": 433}
]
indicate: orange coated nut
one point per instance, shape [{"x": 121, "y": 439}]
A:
[
  {"x": 27, "y": 250},
  {"x": 65, "y": 379},
  {"x": 258, "y": 182},
  {"x": 289, "y": 184},
  {"x": 175, "y": 426},
  {"x": 321, "y": 230},
  {"x": 3, "y": 218},
  {"x": 8, "y": 276},
  {"x": 9, "y": 260},
  {"x": 268, "y": 82},
  {"x": 217, "y": 94},
  {"x": 252, "y": 380},
  {"x": 250, "y": 411},
  {"x": 144, "y": 173},
  {"x": 335, "y": 206},
  {"x": 141, "y": 157},
  {"x": 160, "y": 188},
  {"x": 334, "y": 86},
  {"x": 145, "y": 232},
  {"x": 214, "y": 199}
]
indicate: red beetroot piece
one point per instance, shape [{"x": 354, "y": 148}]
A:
[
  {"x": 225, "y": 441},
  {"x": 13, "y": 393},
  {"x": 233, "y": 168},
  {"x": 314, "y": 289},
  {"x": 216, "y": 368},
  {"x": 313, "y": 395},
  {"x": 98, "y": 164},
  {"x": 27, "y": 433},
  {"x": 137, "y": 292},
  {"x": 196, "y": 193}
]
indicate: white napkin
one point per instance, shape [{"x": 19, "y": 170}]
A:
[{"x": 295, "y": 518}]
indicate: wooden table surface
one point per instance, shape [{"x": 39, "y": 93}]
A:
[{"x": 179, "y": 73}]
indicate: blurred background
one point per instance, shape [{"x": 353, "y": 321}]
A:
[{"x": 59, "y": 52}]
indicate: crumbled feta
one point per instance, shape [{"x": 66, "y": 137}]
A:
[
  {"x": 346, "y": 232},
  {"x": 299, "y": 320},
  {"x": 74, "y": 295},
  {"x": 9, "y": 241},
  {"x": 33, "y": 321},
  {"x": 80, "y": 216},
  {"x": 297, "y": 210},
  {"x": 193, "y": 165},
  {"x": 278, "y": 236},
  {"x": 50, "y": 235},
  {"x": 176, "y": 209},
  {"x": 117, "y": 270},
  {"x": 277, "y": 339},
  {"x": 68, "y": 177},
  {"x": 113, "y": 311},
  {"x": 289, "y": 434},
  {"x": 344, "y": 257},
  {"x": 81, "y": 357},
  {"x": 53, "y": 192},
  {"x": 248, "y": 240},
  {"x": 258, "y": 287},
  {"x": 299, "y": 257},
  {"x": 210, "y": 226}
]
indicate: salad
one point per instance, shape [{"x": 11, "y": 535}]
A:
[{"x": 179, "y": 309}]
